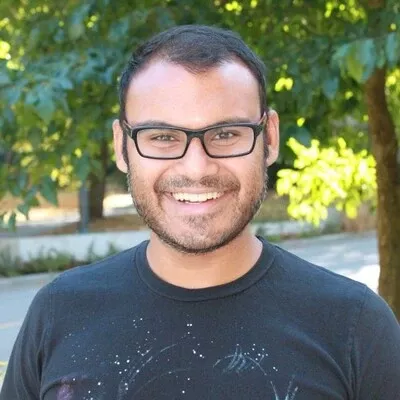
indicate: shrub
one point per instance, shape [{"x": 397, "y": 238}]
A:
[
  {"x": 323, "y": 177},
  {"x": 51, "y": 261}
]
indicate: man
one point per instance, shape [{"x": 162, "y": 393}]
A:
[{"x": 205, "y": 309}]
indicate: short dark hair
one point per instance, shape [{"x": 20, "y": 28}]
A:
[{"x": 197, "y": 48}]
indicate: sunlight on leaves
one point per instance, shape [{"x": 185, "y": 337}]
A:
[
  {"x": 4, "y": 50},
  {"x": 283, "y": 84},
  {"x": 300, "y": 121},
  {"x": 234, "y": 6},
  {"x": 327, "y": 176}
]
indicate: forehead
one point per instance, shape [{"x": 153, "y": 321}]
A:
[{"x": 170, "y": 93}]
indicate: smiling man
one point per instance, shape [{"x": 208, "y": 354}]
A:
[
  {"x": 204, "y": 309},
  {"x": 202, "y": 141}
]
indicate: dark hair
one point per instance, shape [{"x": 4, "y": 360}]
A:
[{"x": 197, "y": 48}]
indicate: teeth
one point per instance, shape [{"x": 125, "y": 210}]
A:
[{"x": 196, "y": 198}]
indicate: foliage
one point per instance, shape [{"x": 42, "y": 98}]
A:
[
  {"x": 393, "y": 97},
  {"x": 325, "y": 176},
  {"x": 58, "y": 70},
  {"x": 319, "y": 57},
  {"x": 59, "y": 66}
]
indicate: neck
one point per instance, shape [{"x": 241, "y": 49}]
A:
[{"x": 195, "y": 271}]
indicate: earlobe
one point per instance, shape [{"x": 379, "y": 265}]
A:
[
  {"x": 272, "y": 136},
  {"x": 118, "y": 146}
]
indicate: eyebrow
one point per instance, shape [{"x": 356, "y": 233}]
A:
[{"x": 154, "y": 122}]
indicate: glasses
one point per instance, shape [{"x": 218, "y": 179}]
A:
[{"x": 218, "y": 141}]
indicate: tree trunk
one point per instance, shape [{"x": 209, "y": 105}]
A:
[
  {"x": 385, "y": 149},
  {"x": 97, "y": 185}
]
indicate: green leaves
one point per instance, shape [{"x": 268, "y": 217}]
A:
[
  {"x": 65, "y": 83},
  {"x": 42, "y": 103},
  {"x": 357, "y": 59},
  {"x": 324, "y": 177},
  {"x": 83, "y": 167},
  {"x": 76, "y": 23},
  {"x": 65, "y": 62},
  {"x": 4, "y": 78},
  {"x": 48, "y": 189},
  {"x": 392, "y": 48},
  {"x": 362, "y": 60},
  {"x": 330, "y": 87},
  {"x": 12, "y": 218}
]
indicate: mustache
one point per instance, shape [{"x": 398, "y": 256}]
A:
[{"x": 215, "y": 183}]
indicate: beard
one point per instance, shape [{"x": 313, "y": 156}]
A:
[{"x": 200, "y": 239}]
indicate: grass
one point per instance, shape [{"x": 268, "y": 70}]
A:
[{"x": 51, "y": 261}]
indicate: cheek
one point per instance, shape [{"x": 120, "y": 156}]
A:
[
  {"x": 145, "y": 173},
  {"x": 250, "y": 173}
]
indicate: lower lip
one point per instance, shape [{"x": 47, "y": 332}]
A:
[{"x": 196, "y": 208}]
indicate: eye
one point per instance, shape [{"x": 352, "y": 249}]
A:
[
  {"x": 155, "y": 135},
  {"x": 224, "y": 135},
  {"x": 163, "y": 138}
]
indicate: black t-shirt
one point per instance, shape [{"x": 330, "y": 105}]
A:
[{"x": 286, "y": 330}]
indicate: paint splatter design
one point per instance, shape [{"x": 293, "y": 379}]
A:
[
  {"x": 178, "y": 370},
  {"x": 65, "y": 392}
]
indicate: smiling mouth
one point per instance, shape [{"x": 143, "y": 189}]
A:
[{"x": 196, "y": 198}]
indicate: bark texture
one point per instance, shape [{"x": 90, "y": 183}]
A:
[
  {"x": 385, "y": 149},
  {"x": 97, "y": 185}
]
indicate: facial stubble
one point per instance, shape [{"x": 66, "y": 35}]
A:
[{"x": 153, "y": 216}]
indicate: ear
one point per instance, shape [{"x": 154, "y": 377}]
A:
[
  {"x": 272, "y": 136},
  {"x": 118, "y": 145}
]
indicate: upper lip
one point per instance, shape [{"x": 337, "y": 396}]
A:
[{"x": 191, "y": 191}]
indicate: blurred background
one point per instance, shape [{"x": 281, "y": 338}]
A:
[{"x": 333, "y": 76}]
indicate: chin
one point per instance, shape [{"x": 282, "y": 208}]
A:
[{"x": 190, "y": 243}]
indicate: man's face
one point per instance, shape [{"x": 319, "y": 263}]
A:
[{"x": 170, "y": 94}]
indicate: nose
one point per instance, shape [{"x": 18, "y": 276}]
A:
[{"x": 196, "y": 164}]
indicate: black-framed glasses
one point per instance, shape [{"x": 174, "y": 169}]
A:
[{"x": 219, "y": 141}]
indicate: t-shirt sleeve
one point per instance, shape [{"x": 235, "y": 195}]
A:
[
  {"x": 375, "y": 351},
  {"x": 23, "y": 374}
]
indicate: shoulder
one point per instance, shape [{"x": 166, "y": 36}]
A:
[
  {"x": 317, "y": 293},
  {"x": 377, "y": 318},
  {"x": 308, "y": 274},
  {"x": 84, "y": 289},
  {"x": 315, "y": 296},
  {"x": 108, "y": 273}
]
